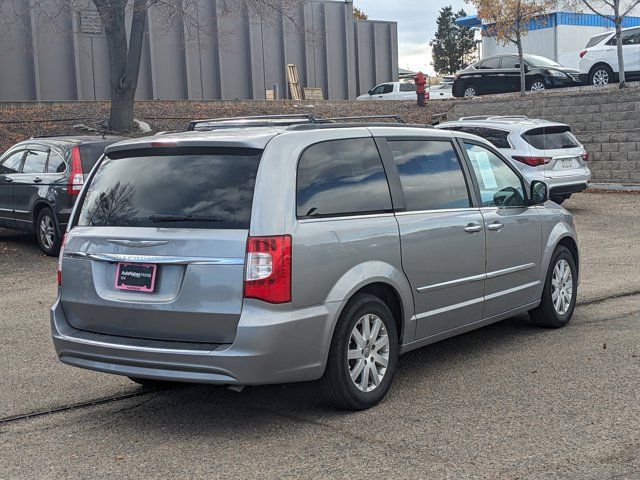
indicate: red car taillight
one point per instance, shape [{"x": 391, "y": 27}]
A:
[
  {"x": 533, "y": 161},
  {"x": 64, "y": 240},
  {"x": 585, "y": 156},
  {"x": 583, "y": 53},
  {"x": 268, "y": 269},
  {"x": 76, "y": 179},
  {"x": 426, "y": 95}
]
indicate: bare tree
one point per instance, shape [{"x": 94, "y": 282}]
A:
[
  {"x": 615, "y": 11},
  {"x": 509, "y": 20},
  {"x": 125, "y": 49}
]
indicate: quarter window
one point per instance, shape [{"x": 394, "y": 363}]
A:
[
  {"x": 56, "y": 163},
  {"x": 499, "y": 185},
  {"x": 12, "y": 163},
  {"x": 35, "y": 161},
  {"x": 430, "y": 174},
  {"x": 341, "y": 177},
  {"x": 407, "y": 87}
]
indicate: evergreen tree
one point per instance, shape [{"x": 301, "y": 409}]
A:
[{"x": 452, "y": 44}]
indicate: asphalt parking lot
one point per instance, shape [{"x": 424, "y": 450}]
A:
[{"x": 506, "y": 401}]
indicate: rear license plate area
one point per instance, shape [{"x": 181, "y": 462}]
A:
[
  {"x": 566, "y": 164},
  {"x": 136, "y": 277}
]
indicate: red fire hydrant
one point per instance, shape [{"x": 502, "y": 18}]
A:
[{"x": 421, "y": 80}]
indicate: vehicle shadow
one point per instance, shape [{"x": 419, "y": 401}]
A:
[
  {"x": 201, "y": 409},
  {"x": 14, "y": 240}
]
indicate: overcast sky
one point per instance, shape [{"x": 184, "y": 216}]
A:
[{"x": 416, "y": 26}]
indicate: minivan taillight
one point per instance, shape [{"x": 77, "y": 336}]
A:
[
  {"x": 583, "y": 53},
  {"x": 268, "y": 269},
  {"x": 585, "y": 156},
  {"x": 76, "y": 179},
  {"x": 64, "y": 240},
  {"x": 533, "y": 161}
]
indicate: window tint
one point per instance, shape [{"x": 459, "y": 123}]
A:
[
  {"x": 181, "y": 188},
  {"x": 387, "y": 88},
  {"x": 499, "y": 138},
  {"x": 499, "y": 185},
  {"x": 597, "y": 39},
  {"x": 510, "y": 62},
  {"x": 90, "y": 153},
  {"x": 430, "y": 174},
  {"x": 631, "y": 37},
  {"x": 551, "y": 138},
  {"x": 56, "y": 163},
  {"x": 490, "y": 63},
  {"x": 407, "y": 87},
  {"x": 341, "y": 177},
  {"x": 35, "y": 162},
  {"x": 12, "y": 163}
]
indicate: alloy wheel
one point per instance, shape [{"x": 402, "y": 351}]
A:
[
  {"x": 470, "y": 92},
  {"x": 600, "y": 77},
  {"x": 368, "y": 352},
  {"x": 537, "y": 85},
  {"x": 561, "y": 287},
  {"x": 47, "y": 232}
]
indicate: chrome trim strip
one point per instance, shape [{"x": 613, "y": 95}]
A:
[
  {"x": 451, "y": 283},
  {"x": 511, "y": 290},
  {"x": 475, "y": 278},
  {"x": 160, "y": 259},
  {"x": 438, "y": 311},
  {"x": 6, "y": 210},
  {"x": 506, "y": 271},
  {"x": 350, "y": 217},
  {"x": 21, "y": 211},
  {"x": 96, "y": 343},
  {"x": 439, "y": 210}
]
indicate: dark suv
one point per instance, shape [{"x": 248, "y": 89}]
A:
[{"x": 40, "y": 180}]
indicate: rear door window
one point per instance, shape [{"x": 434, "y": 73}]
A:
[
  {"x": 210, "y": 188},
  {"x": 490, "y": 63},
  {"x": 341, "y": 177},
  {"x": 35, "y": 161},
  {"x": 430, "y": 174},
  {"x": 551, "y": 138}
]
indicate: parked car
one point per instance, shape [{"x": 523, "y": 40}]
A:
[
  {"x": 391, "y": 91},
  {"x": 40, "y": 180},
  {"x": 439, "y": 92},
  {"x": 540, "y": 149},
  {"x": 303, "y": 252},
  {"x": 501, "y": 74},
  {"x": 447, "y": 79},
  {"x": 599, "y": 59}
]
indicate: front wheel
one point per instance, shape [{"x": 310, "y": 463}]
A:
[
  {"x": 363, "y": 355},
  {"x": 537, "y": 85},
  {"x": 559, "y": 293},
  {"x": 47, "y": 233},
  {"x": 470, "y": 91}
]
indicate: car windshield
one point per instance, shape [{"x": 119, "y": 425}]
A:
[
  {"x": 538, "y": 61},
  {"x": 597, "y": 39}
]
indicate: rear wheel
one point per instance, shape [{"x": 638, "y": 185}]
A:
[
  {"x": 470, "y": 91},
  {"x": 47, "y": 233},
  {"x": 363, "y": 355},
  {"x": 559, "y": 293},
  {"x": 601, "y": 75}
]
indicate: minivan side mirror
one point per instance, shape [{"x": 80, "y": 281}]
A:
[
  {"x": 538, "y": 193},
  {"x": 370, "y": 92}
]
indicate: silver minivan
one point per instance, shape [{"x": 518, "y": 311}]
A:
[{"x": 309, "y": 252}]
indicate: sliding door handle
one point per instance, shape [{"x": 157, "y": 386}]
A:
[
  {"x": 473, "y": 228},
  {"x": 495, "y": 226}
]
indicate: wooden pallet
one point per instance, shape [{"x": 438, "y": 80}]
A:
[
  {"x": 294, "y": 82},
  {"x": 313, "y": 93}
]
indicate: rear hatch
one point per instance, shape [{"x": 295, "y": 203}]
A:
[
  {"x": 561, "y": 146},
  {"x": 158, "y": 248}
]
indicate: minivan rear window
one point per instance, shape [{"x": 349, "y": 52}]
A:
[
  {"x": 551, "y": 138},
  {"x": 207, "y": 188}
]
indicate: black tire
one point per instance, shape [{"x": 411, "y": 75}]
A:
[
  {"x": 336, "y": 384},
  {"x": 469, "y": 87},
  {"x": 599, "y": 73},
  {"x": 546, "y": 315},
  {"x": 149, "y": 383},
  {"x": 559, "y": 199},
  {"x": 536, "y": 81},
  {"x": 47, "y": 232}
]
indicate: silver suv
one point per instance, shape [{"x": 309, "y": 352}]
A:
[
  {"x": 540, "y": 149},
  {"x": 282, "y": 254}
]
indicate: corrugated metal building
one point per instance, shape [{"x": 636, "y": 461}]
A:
[{"x": 65, "y": 58}]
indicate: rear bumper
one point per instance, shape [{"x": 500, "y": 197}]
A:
[
  {"x": 273, "y": 344},
  {"x": 568, "y": 189}
]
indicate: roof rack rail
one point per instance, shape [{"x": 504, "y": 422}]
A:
[
  {"x": 317, "y": 126},
  {"x": 397, "y": 118},
  {"x": 253, "y": 121},
  {"x": 493, "y": 117}
]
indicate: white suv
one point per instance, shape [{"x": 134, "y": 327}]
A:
[
  {"x": 540, "y": 149},
  {"x": 599, "y": 59}
]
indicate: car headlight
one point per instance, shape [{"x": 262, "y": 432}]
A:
[{"x": 556, "y": 73}]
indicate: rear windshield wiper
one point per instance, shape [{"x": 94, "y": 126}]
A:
[{"x": 182, "y": 218}]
